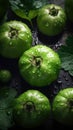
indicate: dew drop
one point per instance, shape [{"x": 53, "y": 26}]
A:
[
  {"x": 59, "y": 82},
  {"x": 66, "y": 79},
  {"x": 21, "y": 5},
  {"x": 18, "y": 112},
  {"x": 8, "y": 113},
  {"x": 56, "y": 46},
  {"x": 37, "y": 4},
  {"x": 39, "y": 75},
  {"x": 46, "y": 24},
  {"x": 6, "y": 94},
  {"x": 33, "y": 72},
  {"x": 10, "y": 43},
  {"x": 28, "y": 36}
]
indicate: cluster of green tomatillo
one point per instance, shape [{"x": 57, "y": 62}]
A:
[
  {"x": 33, "y": 108},
  {"x": 39, "y": 65}
]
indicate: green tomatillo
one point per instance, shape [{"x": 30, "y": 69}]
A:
[
  {"x": 15, "y": 38},
  {"x": 62, "y": 107},
  {"x": 40, "y": 65},
  {"x": 5, "y": 75},
  {"x": 32, "y": 108},
  {"x": 51, "y": 20}
]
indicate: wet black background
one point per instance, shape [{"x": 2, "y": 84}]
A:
[{"x": 64, "y": 80}]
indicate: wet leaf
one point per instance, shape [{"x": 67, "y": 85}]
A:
[
  {"x": 7, "y": 95},
  {"x": 66, "y": 55},
  {"x": 27, "y": 9}
]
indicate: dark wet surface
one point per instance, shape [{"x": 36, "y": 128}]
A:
[{"x": 64, "y": 80}]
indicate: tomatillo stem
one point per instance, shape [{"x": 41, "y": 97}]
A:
[
  {"x": 13, "y": 33},
  {"x": 29, "y": 106},
  {"x": 37, "y": 61},
  {"x": 53, "y": 11}
]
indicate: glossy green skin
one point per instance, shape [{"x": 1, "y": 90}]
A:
[
  {"x": 13, "y": 45},
  {"x": 3, "y": 8},
  {"x": 5, "y": 76},
  {"x": 44, "y": 73},
  {"x": 62, "y": 110},
  {"x": 69, "y": 9},
  {"x": 38, "y": 114},
  {"x": 48, "y": 24}
]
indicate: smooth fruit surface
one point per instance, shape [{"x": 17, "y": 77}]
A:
[
  {"x": 32, "y": 108},
  {"x": 40, "y": 65},
  {"x": 63, "y": 106},
  {"x": 51, "y": 20},
  {"x": 15, "y": 38}
]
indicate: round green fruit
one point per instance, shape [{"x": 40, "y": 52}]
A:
[
  {"x": 51, "y": 20},
  {"x": 69, "y": 9},
  {"x": 39, "y": 65},
  {"x": 31, "y": 109},
  {"x": 63, "y": 107},
  {"x": 15, "y": 38},
  {"x": 5, "y": 76}
]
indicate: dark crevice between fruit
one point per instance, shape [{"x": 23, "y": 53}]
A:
[
  {"x": 36, "y": 61},
  {"x": 53, "y": 11},
  {"x": 70, "y": 103},
  {"x": 29, "y": 106},
  {"x": 13, "y": 33}
]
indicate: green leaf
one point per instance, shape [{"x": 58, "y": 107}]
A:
[
  {"x": 5, "y": 119},
  {"x": 66, "y": 55},
  {"x": 27, "y": 9},
  {"x": 7, "y": 95}
]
